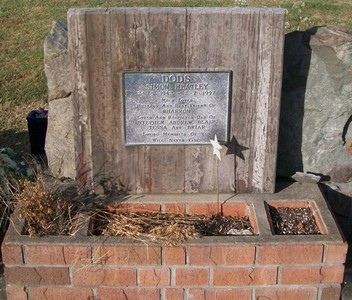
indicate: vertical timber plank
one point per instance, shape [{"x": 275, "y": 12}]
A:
[
  {"x": 103, "y": 120},
  {"x": 165, "y": 29},
  {"x": 276, "y": 27},
  {"x": 122, "y": 55},
  {"x": 78, "y": 44},
  {"x": 207, "y": 50},
  {"x": 246, "y": 26}
]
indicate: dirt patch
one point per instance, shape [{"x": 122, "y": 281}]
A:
[{"x": 293, "y": 221}]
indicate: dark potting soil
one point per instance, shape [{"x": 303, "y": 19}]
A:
[
  {"x": 225, "y": 225},
  {"x": 293, "y": 221}
]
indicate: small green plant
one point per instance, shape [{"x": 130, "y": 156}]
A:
[{"x": 12, "y": 167}]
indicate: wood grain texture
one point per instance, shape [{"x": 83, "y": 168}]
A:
[{"x": 106, "y": 42}]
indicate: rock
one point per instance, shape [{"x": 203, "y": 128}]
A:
[
  {"x": 59, "y": 144},
  {"x": 344, "y": 188},
  {"x": 315, "y": 134},
  {"x": 57, "y": 62},
  {"x": 305, "y": 177}
]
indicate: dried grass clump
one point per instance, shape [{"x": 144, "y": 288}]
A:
[
  {"x": 152, "y": 228},
  {"x": 45, "y": 212}
]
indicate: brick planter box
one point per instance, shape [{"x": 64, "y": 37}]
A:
[{"x": 262, "y": 266}]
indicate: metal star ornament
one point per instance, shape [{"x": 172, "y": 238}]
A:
[{"x": 216, "y": 147}]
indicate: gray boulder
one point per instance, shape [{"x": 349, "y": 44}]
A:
[
  {"x": 315, "y": 134},
  {"x": 57, "y": 62},
  {"x": 59, "y": 144}
]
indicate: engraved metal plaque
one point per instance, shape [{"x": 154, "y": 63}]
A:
[{"x": 176, "y": 108}]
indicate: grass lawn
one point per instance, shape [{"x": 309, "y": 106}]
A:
[{"x": 24, "y": 25}]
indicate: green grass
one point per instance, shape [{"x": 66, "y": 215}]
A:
[{"x": 24, "y": 25}]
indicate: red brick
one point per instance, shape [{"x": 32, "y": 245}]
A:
[
  {"x": 239, "y": 210},
  {"x": 40, "y": 275},
  {"x": 290, "y": 254},
  {"x": 12, "y": 255},
  {"x": 174, "y": 255},
  {"x": 312, "y": 275},
  {"x": 77, "y": 254},
  {"x": 235, "y": 209},
  {"x": 283, "y": 293},
  {"x": 91, "y": 276},
  {"x": 57, "y": 255},
  {"x": 296, "y": 204},
  {"x": 137, "y": 207},
  {"x": 192, "y": 277},
  {"x": 128, "y": 293},
  {"x": 16, "y": 293},
  {"x": 333, "y": 274},
  {"x": 53, "y": 293},
  {"x": 203, "y": 208},
  {"x": 173, "y": 294},
  {"x": 128, "y": 255},
  {"x": 244, "y": 276},
  {"x": 219, "y": 294},
  {"x": 336, "y": 253},
  {"x": 331, "y": 293},
  {"x": 221, "y": 255},
  {"x": 44, "y": 254},
  {"x": 175, "y": 208},
  {"x": 154, "y": 277}
]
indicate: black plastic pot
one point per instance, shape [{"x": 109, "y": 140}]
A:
[{"x": 37, "y": 127}]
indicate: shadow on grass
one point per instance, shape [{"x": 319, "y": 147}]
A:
[{"x": 16, "y": 140}]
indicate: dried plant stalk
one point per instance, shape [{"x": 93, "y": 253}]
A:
[
  {"x": 150, "y": 227},
  {"x": 44, "y": 212}
]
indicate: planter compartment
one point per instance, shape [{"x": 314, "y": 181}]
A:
[
  {"x": 144, "y": 221},
  {"x": 294, "y": 218}
]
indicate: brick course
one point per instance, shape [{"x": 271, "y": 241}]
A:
[
  {"x": 13, "y": 255},
  {"x": 174, "y": 255},
  {"x": 27, "y": 276},
  {"x": 221, "y": 255},
  {"x": 57, "y": 255},
  {"x": 192, "y": 277},
  {"x": 330, "y": 293},
  {"x": 335, "y": 253},
  {"x": 244, "y": 276},
  {"x": 290, "y": 254},
  {"x": 219, "y": 294},
  {"x": 53, "y": 293},
  {"x": 128, "y": 293},
  {"x": 95, "y": 276},
  {"x": 17, "y": 293},
  {"x": 312, "y": 274},
  {"x": 173, "y": 294},
  {"x": 154, "y": 277},
  {"x": 128, "y": 255},
  {"x": 286, "y": 293}
]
